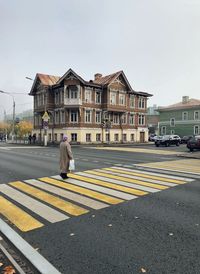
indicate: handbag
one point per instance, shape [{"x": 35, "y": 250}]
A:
[{"x": 71, "y": 165}]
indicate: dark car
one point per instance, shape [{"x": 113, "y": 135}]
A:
[
  {"x": 185, "y": 139},
  {"x": 194, "y": 143},
  {"x": 168, "y": 140}
]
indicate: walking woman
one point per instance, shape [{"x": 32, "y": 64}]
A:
[{"x": 65, "y": 156}]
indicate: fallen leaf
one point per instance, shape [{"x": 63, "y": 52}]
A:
[
  {"x": 1, "y": 264},
  {"x": 110, "y": 225},
  {"x": 71, "y": 234},
  {"x": 143, "y": 270},
  {"x": 136, "y": 217},
  {"x": 9, "y": 270},
  {"x": 171, "y": 234}
]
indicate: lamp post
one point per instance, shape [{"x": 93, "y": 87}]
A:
[{"x": 13, "y": 120}]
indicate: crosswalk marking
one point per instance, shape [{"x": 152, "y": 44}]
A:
[
  {"x": 118, "y": 182},
  {"x": 157, "y": 186},
  {"x": 67, "y": 194},
  {"x": 39, "y": 208},
  {"x": 105, "y": 190},
  {"x": 50, "y": 199},
  {"x": 17, "y": 216},
  {"x": 87, "y": 192},
  {"x": 147, "y": 176},
  {"x": 188, "y": 166},
  {"x": 77, "y": 195}
]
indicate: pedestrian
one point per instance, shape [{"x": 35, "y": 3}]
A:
[
  {"x": 34, "y": 138},
  {"x": 65, "y": 156},
  {"x": 29, "y": 138}
]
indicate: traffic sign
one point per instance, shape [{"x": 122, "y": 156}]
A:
[{"x": 46, "y": 117}]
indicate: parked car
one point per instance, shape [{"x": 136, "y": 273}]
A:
[
  {"x": 152, "y": 137},
  {"x": 185, "y": 139},
  {"x": 168, "y": 140},
  {"x": 194, "y": 143}
]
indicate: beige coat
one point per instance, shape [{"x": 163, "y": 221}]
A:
[{"x": 65, "y": 156}]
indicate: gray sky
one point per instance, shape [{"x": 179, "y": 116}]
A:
[{"x": 155, "y": 42}]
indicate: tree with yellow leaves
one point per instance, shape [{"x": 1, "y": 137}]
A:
[{"x": 23, "y": 128}]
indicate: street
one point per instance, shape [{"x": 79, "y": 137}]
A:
[{"x": 125, "y": 209}]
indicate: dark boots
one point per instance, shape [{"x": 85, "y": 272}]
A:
[{"x": 63, "y": 175}]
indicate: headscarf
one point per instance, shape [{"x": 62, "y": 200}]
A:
[{"x": 65, "y": 138}]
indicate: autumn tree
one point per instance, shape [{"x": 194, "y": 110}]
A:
[{"x": 23, "y": 128}]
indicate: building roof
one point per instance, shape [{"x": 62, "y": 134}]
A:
[
  {"x": 190, "y": 103},
  {"x": 48, "y": 80},
  {"x": 106, "y": 80}
]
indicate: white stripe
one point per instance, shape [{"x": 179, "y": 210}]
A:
[
  {"x": 118, "y": 182},
  {"x": 112, "y": 192},
  {"x": 136, "y": 177},
  {"x": 67, "y": 194},
  {"x": 42, "y": 210},
  {"x": 39, "y": 262},
  {"x": 156, "y": 174}
]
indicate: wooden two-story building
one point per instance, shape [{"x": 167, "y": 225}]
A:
[{"x": 105, "y": 109}]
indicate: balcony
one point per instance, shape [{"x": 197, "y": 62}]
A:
[{"x": 69, "y": 102}]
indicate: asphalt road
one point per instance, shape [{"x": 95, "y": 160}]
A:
[{"x": 156, "y": 233}]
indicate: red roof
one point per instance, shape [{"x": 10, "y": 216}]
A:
[
  {"x": 48, "y": 80},
  {"x": 105, "y": 80}
]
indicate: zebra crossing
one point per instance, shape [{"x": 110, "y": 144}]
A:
[{"x": 34, "y": 203}]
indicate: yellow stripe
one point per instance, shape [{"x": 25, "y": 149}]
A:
[
  {"x": 84, "y": 191},
  {"x": 106, "y": 184},
  {"x": 129, "y": 180},
  {"x": 50, "y": 199},
  {"x": 17, "y": 216},
  {"x": 147, "y": 176}
]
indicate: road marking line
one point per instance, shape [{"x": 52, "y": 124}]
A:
[
  {"x": 39, "y": 208},
  {"x": 140, "y": 178},
  {"x": 67, "y": 194},
  {"x": 17, "y": 216},
  {"x": 118, "y": 182},
  {"x": 50, "y": 199},
  {"x": 153, "y": 173},
  {"x": 39, "y": 262},
  {"x": 101, "y": 172},
  {"x": 109, "y": 185},
  {"x": 146, "y": 176},
  {"x": 87, "y": 192},
  {"x": 105, "y": 190}
]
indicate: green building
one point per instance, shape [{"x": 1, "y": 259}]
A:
[{"x": 182, "y": 118}]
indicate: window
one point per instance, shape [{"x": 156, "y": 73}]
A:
[
  {"x": 56, "y": 98},
  {"x": 196, "y": 130},
  {"x": 116, "y": 137},
  {"x": 107, "y": 137},
  {"x": 74, "y": 137},
  {"x": 49, "y": 137},
  {"x": 132, "y": 137},
  {"x": 74, "y": 93},
  {"x": 124, "y": 137},
  {"x": 132, "y": 101},
  {"x": 56, "y": 117},
  {"x": 122, "y": 99},
  {"x": 185, "y": 116},
  {"x": 88, "y": 137},
  {"x": 141, "y": 120},
  {"x": 172, "y": 131},
  {"x": 123, "y": 119},
  {"x": 141, "y": 103},
  {"x": 62, "y": 95},
  {"x": 131, "y": 119},
  {"x": 55, "y": 137},
  {"x": 88, "y": 116},
  {"x": 196, "y": 115},
  {"x": 115, "y": 119},
  {"x": 61, "y": 136},
  {"x": 88, "y": 96},
  {"x": 163, "y": 130},
  {"x": 74, "y": 116},
  {"x": 62, "y": 117},
  {"x": 113, "y": 98},
  {"x": 98, "y": 137},
  {"x": 172, "y": 122},
  {"x": 98, "y": 117},
  {"x": 98, "y": 97}
]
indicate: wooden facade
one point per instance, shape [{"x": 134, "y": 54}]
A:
[{"x": 105, "y": 109}]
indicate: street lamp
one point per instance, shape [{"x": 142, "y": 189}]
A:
[{"x": 13, "y": 122}]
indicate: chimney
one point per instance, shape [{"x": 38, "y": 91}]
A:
[
  {"x": 97, "y": 76},
  {"x": 185, "y": 99}
]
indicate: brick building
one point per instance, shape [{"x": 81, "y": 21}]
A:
[{"x": 105, "y": 109}]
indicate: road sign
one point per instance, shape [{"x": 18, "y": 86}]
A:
[
  {"x": 45, "y": 124},
  {"x": 46, "y": 117}
]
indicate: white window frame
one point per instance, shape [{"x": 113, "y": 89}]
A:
[
  {"x": 98, "y": 97},
  {"x": 98, "y": 117},
  {"x": 185, "y": 116},
  {"x": 131, "y": 119},
  {"x": 141, "y": 119},
  {"x": 196, "y": 132},
  {"x": 141, "y": 103},
  {"x": 124, "y": 119},
  {"x": 62, "y": 116},
  {"x": 88, "y": 96},
  {"x": 74, "y": 137},
  {"x": 88, "y": 116},
  {"x": 198, "y": 115},
  {"x": 122, "y": 99},
  {"x": 116, "y": 119},
  {"x": 73, "y": 116},
  {"x": 172, "y": 122},
  {"x": 132, "y": 101},
  {"x": 88, "y": 137},
  {"x": 98, "y": 137},
  {"x": 57, "y": 117},
  {"x": 113, "y": 97}
]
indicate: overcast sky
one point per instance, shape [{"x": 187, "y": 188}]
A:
[{"x": 155, "y": 42}]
